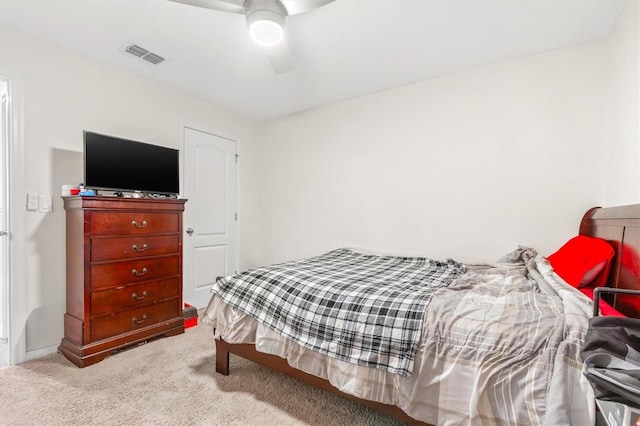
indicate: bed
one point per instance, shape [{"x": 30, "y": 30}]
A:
[{"x": 496, "y": 343}]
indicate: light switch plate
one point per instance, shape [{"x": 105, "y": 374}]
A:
[
  {"x": 32, "y": 202},
  {"x": 45, "y": 204}
]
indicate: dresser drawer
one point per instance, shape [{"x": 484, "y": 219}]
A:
[
  {"x": 122, "y": 322},
  {"x": 114, "y": 274},
  {"x": 137, "y": 246},
  {"x": 115, "y": 299},
  {"x": 132, "y": 223}
]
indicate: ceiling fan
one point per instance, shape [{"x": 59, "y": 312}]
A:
[{"x": 265, "y": 21}]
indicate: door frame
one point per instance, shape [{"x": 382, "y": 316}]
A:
[
  {"x": 16, "y": 218},
  {"x": 200, "y": 128}
]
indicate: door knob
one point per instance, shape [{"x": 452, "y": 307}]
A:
[
  {"x": 3, "y": 233},
  {"x": 190, "y": 231}
]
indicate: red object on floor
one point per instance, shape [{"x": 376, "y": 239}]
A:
[{"x": 190, "y": 316}]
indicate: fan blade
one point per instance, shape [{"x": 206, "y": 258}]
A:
[
  {"x": 299, "y": 6},
  {"x": 233, "y": 6},
  {"x": 280, "y": 57}
]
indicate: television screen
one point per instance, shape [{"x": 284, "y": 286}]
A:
[{"x": 124, "y": 165}]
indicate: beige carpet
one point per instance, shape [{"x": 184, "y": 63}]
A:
[{"x": 168, "y": 381}]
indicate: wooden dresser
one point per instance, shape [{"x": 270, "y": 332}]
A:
[{"x": 124, "y": 274}]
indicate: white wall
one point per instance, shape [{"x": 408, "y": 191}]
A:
[
  {"x": 64, "y": 94},
  {"x": 623, "y": 110},
  {"x": 469, "y": 165}
]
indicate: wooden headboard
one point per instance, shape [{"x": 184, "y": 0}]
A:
[{"x": 620, "y": 226}]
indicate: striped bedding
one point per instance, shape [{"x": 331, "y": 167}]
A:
[{"x": 499, "y": 345}]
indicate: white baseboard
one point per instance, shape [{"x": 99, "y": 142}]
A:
[{"x": 39, "y": 353}]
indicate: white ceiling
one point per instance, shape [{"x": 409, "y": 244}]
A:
[{"x": 345, "y": 49}]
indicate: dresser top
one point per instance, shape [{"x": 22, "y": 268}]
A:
[{"x": 96, "y": 202}]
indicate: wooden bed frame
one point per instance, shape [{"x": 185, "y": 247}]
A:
[
  {"x": 620, "y": 226},
  {"x": 274, "y": 362}
]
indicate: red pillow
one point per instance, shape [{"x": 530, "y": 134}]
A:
[{"x": 582, "y": 257}]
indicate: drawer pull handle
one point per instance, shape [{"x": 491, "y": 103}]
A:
[
  {"x": 135, "y": 295},
  {"x": 137, "y": 321},
  {"x": 135, "y": 224},
  {"x": 139, "y": 274},
  {"x": 135, "y": 247}
]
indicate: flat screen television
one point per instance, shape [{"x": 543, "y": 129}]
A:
[{"x": 123, "y": 165}]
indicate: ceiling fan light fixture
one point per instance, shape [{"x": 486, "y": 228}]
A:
[{"x": 266, "y": 25}]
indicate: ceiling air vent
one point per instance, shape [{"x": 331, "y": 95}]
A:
[
  {"x": 143, "y": 53},
  {"x": 137, "y": 50},
  {"x": 153, "y": 58}
]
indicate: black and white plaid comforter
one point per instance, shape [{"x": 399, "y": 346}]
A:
[{"x": 361, "y": 308}]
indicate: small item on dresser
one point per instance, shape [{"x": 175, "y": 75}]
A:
[{"x": 66, "y": 190}]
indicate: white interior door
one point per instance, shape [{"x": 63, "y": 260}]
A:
[
  {"x": 4, "y": 237},
  {"x": 13, "y": 263},
  {"x": 209, "y": 224}
]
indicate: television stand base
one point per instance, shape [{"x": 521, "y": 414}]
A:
[{"x": 122, "y": 194}]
